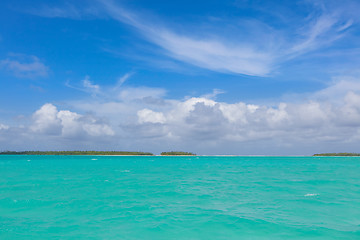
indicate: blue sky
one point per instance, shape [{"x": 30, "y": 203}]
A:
[{"x": 213, "y": 77}]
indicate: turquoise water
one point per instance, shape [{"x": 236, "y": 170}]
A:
[{"x": 109, "y": 197}]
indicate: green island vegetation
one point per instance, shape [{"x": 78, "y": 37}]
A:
[
  {"x": 175, "y": 153},
  {"x": 75, "y": 153},
  {"x": 336, "y": 154}
]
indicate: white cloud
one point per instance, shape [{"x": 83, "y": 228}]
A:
[
  {"x": 148, "y": 116},
  {"x": 90, "y": 87},
  {"x": 214, "y": 94},
  {"x": 201, "y": 125},
  {"x": 317, "y": 28},
  {"x": 349, "y": 114},
  {"x": 337, "y": 89},
  {"x": 3, "y": 126},
  {"x": 215, "y": 55},
  {"x": 207, "y": 53},
  {"x": 70, "y": 123},
  {"x": 208, "y": 120},
  {"x": 24, "y": 66},
  {"x": 201, "y": 118},
  {"x": 122, "y": 80},
  {"x": 248, "y": 52},
  {"x": 117, "y": 92},
  {"x": 98, "y": 129},
  {"x": 48, "y": 120}
]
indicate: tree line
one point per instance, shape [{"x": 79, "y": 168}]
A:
[
  {"x": 177, "y": 153},
  {"x": 75, "y": 153},
  {"x": 172, "y": 153},
  {"x": 337, "y": 154}
]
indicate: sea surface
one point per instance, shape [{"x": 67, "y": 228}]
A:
[{"x": 153, "y": 197}]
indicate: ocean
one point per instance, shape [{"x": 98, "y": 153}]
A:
[{"x": 154, "y": 197}]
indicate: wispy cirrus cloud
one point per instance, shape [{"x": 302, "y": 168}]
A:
[
  {"x": 86, "y": 86},
  {"x": 243, "y": 50},
  {"x": 116, "y": 91},
  {"x": 24, "y": 66},
  {"x": 90, "y": 87},
  {"x": 211, "y": 54},
  {"x": 321, "y": 31},
  {"x": 245, "y": 53}
]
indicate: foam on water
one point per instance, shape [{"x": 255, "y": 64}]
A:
[
  {"x": 68, "y": 197},
  {"x": 311, "y": 194}
]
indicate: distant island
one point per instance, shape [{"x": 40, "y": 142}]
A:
[
  {"x": 174, "y": 153},
  {"x": 76, "y": 153},
  {"x": 336, "y": 154}
]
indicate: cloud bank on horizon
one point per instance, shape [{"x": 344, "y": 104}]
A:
[
  {"x": 316, "y": 44},
  {"x": 145, "y": 117}
]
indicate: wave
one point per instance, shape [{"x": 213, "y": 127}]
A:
[{"x": 311, "y": 194}]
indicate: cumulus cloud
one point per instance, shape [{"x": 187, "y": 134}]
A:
[
  {"x": 148, "y": 116},
  {"x": 24, "y": 66},
  {"x": 48, "y": 120},
  {"x": 208, "y": 120},
  {"x": 203, "y": 125}
]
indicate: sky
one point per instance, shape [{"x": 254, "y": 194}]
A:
[{"x": 211, "y": 77}]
